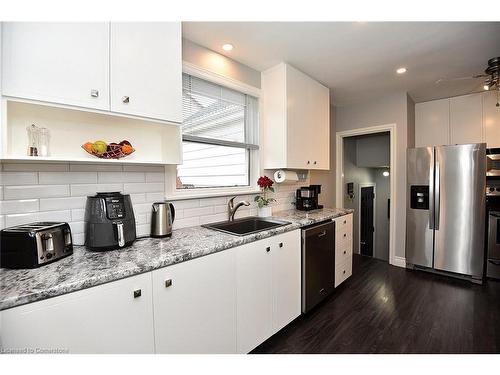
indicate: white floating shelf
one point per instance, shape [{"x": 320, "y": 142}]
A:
[{"x": 53, "y": 159}]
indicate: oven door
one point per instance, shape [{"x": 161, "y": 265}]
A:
[
  {"x": 493, "y": 164},
  {"x": 494, "y": 235}
]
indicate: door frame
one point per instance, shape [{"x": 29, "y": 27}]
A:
[
  {"x": 340, "y": 183},
  {"x": 374, "y": 185}
]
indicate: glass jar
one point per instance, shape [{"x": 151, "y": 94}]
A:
[
  {"x": 43, "y": 142},
  {"x": 33, "y": 139}
]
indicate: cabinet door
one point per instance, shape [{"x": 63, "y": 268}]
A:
[
  {"x": 103, "y": 319},
  {"x": 466, "y": 119},
  {"x": 286, "y": 278},
  {"x": 299, "y": 93},
  {"x": 319, "y": 127},
  {"x": 195, "y": 305},
  {"x": 254, "y": 298},
  {"x": 146, "y": 69},
  {"x": 64, "y": 63},
  {"x": 491, "y": 119},
  {"x": 432, "y": 123}
]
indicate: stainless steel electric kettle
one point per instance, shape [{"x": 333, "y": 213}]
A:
[{"x": 162, "y": 218}]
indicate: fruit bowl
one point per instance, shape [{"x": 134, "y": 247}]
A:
[{"x": 113, "y": 150}]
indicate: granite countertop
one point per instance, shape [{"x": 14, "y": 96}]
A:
[{"x": 85, "y": 269}]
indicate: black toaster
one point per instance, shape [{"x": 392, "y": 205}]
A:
[{"x": 34, "y": 245}]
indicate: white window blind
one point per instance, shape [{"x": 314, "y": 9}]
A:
[{"x": 219, "y": 131}]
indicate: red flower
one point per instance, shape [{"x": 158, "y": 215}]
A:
[{"x": 265, "y": 182}]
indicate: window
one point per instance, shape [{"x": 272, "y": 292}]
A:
[{"x": 219, "y": 133}]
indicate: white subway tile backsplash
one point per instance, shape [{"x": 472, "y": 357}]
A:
[
  {"x": 155, "y": 177},
  {"x": 77, "y": 214},
  {"x": 36, "y": 167},
  {"x": 63, "y": 215},
  {"x": 144, "y": 168},
  {"x": 199, "y": 211},
  {"x": 48, "y": 204},
  {"x": 35, "y": 191},
  {"x": 57, "y": 192},
  {"x": 143, "y": 188},
  {"x": 68, "y": 177},
  {"x": 95, "y": 168},
  {"x": 114, "y": 177},
  {"x": 90, "y": 189},
  {"x": 189, "y": 203},
  {"x": 19, "y": 178},
  {"x": 155, "y": 197},
  {"x": 19, "y": 206},
  {"x": 188, "y": 222},
  {"x": 213, "y": 201},
  {"x": 77, "y": 226}
]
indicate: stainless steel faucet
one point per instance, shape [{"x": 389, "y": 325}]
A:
[{"x": 231, "y": 208}]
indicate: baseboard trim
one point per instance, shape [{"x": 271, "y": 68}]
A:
[{"x": 399, "y": 262}]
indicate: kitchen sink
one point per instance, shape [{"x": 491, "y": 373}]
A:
[{"x": 247, "y": 225}]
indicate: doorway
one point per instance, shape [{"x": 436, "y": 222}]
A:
[
  {"x": 366, "y": 219},
  {"x": 366, "y": 184}
]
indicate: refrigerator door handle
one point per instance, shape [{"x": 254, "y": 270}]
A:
[
  {"x": 431, "y": 193},
  {"x": 436, "y": 195}
]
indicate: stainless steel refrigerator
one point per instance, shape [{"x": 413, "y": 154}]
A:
[{"x": 446, "y": 202}]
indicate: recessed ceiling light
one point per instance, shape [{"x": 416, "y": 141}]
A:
[
  {"x": 401, "y": 71},
  {"x": 227, "y": 47}
]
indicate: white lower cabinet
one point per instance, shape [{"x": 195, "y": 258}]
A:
[
  {"x": 112, "y": 318},
  {"x": 268, "y": 274},
  {"x": 343, "y": 249},
  {"x": 226, "y": 302},
  {"x": 195, "y": 305}
]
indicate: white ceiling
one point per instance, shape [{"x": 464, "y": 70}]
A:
[{"x": 357, "y": 60}]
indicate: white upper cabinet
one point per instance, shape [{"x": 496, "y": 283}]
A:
[
  {"x": 64, "y": 63},
  {"x": 432, "y": 123},
  {"x": 146, "y": 69},
  {"x": 466, "y": 119},
  {"x": 296, "y": 120},
  {"x": 491, "y": 119}
]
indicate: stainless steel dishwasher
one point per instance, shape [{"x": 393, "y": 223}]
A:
[{"x": 318, "y": 263}]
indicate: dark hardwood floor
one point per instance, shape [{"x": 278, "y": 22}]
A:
[{"x": 386, "y": 309}]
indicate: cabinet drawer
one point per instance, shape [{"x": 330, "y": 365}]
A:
[
  {"x": 343, "y": 224},
  {"x": 343, "y": 253},
  {"x": 342, "y": 272}
]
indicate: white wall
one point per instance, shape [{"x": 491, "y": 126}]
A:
[
  {"x": 391, "y": 109},
  {"x": 210, "y": 60}
]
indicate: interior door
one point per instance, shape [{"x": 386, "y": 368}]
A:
[
  {"x": 460, "y": 174},
  {"x": 419, "y": 206},
  {"x": 366, "y": 220}
]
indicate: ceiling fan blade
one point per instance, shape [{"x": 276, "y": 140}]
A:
[{"x": 443, "y": 80}]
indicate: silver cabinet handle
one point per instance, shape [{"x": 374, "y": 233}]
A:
[
  {"x": 168, "y": 283},
  {"x": 94, "y": 93},
  {"x": 322, "y": 234},
  {"x": 137, "y": 293},
  {"x": 125, "y": 99},
  {"x": 362, "y": 243}
]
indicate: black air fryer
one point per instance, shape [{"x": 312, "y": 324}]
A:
[{"x": 109, "y": 221}]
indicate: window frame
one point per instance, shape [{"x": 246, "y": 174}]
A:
[{"x": 172, "y": 193}]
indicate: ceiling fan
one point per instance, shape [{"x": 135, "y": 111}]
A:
[{"x": 491, "y": 77}]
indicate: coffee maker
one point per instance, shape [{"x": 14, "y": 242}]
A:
[{"x": 306, "y": 198}]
